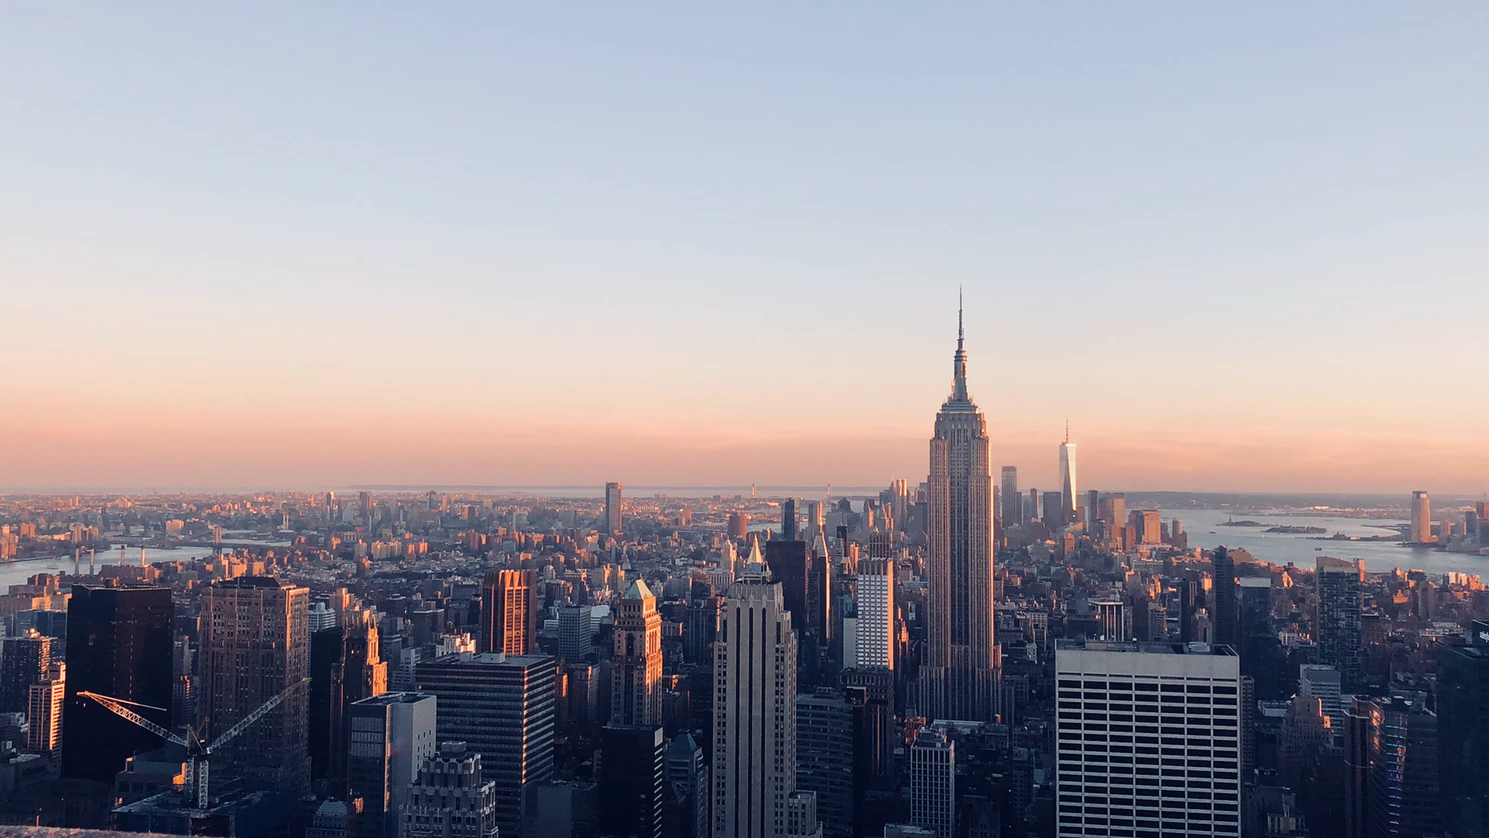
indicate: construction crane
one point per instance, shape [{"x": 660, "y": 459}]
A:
[{"x": 198, "y": 753}]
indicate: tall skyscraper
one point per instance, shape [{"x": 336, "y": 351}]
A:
[
  {"x": 828, "y": 760},
  {"x": 1013, "y": 502},
  {"x": 1069, "y": 493},
  {"x": 1463, "y": 733},
  {"x": 575, "y": 633},
  {"x": 1402, "y": 790},
  {"x": 1227, "y": 619},
  {"x": 451, "y": 799},
  {"x": 119, "y": 643},
  {"x": 632, "y": 779},
  {"x": 1421, "y": 518},
  {"x": 613, "y": 523},
  {"x": 255, "y": 643},
  {"x": 1173, "y": 699},
  {"x": 24, "y": 661},
  {"x": 1338, "y": 586},
  {"x": 636, "y": 667},
  {"x": 1093, "y": 508},
  {"x": 754, "y": 748},
  {"x": 960, "y": 678},
  {"x": 687, "y": 773},
  {"x": 44, "y": 716},
  {"x": 503, "y": 707},
  {"x": 874, "y": 635},
  {"x": 933, "y": 783},
  {"x": 788, "y": 520},
  {"x": 390, "y": 737},
  {"x": 509, "y": 612}
]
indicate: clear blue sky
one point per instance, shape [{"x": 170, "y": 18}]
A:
[{"x": 728, "y": 240}]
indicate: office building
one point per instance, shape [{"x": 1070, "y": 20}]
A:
[
  {"x": 389, "y": 738},
  {"x": 1178, "y": 706},
  {"x": 1315, "y": 680},
  {"x": 687, "y": 774},
  {"x": 576, "y": 633},
  {"x": 1463, "y": 733},
  {"x": 1227, "y": 619},
  {"x": 255, "y": 644},
  {"x": 826, "y": 758},
  {"x": 1149, "y": 524},
  {"x": 24, "y": 661},
  {"x": 44, "y": 713},
  {"x": 933, "y": 783},
  {"x": 1092, "y": 518},
  {"x": 874, "y": 640},
  {"x": 503, "y": 707},
  {"x": 636, "y": 666},
  {"x": 754, "y": 748},
  {"x": 1069, "y": 492},
  {"x": 614, "y": 525},
  {"x": 632, "y": 780},
  {"x": 1013, "y": 502},
  {"x": 801, "y": 816},
  {"x": 1338, "y": 586},
  {"x": 960, "y": 677},
  {"x": 451, "y": 798},
  {"x": 789, "y": 562},
  {"x": 1421, "y": 518},
  {"x": 1111, "y": 616},
  {"x": 739, "y": 525},
  {"x": 119, "y": 643},
  {"x": 1053, "y": 507},
  {"x": 509, "y": 612},
  {"x": 789, "y": 530},
  {"x": 1402, "y": 795}
]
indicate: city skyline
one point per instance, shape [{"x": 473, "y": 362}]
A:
[{"x": 566, "y": 248}]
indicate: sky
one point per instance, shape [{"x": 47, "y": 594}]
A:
[{"x": 1238, "y": 246}]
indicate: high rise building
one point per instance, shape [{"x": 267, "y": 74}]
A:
[
  {"x": 1093, "y": 512},
  {"x": 24, "y": 661},
  {"x": 1069, "y": 493},
  {"x": 632, "y": 779},
  {"x": 451, "y": 799},
  {"x": 576, "y": 633},
  {"x": 1318, "y": 681},
  {"x": 255, "y": 644},
  {"x": 1462, "y": 733},
  {"x": 1178, "y": 706},
  {"x": 933, "y": 783},
  {"x": 960, "y": 677},
  {"x": 503, "y": 706},
  {"x": 789, "y": 562},
  {"x": 1338, "y": 586},
  {"x": 1402, "y": 792},
  {"x": 119, "y": 643},
  {"x": 1227, "y": 618},
  {"x": 687, "y": 773},
  {"x": 44, "y": 715},
  {"x": 1421, "y": 518},
  {"x": 509, "y": 612},
  {"x": 814, "y": 521},
  {"x": 390, "y": 736},
  {"x": 831, "y": 758},
  {"x": 636, "y": 667},
  {"x": 754, "y": 748},
  {"x": 1149, "y": 526},
  {"x": 1111, "y": 616},
  {"x": 801, "y": 816},
  {"x": 614, "y": 525},
  {"x": 788, "y": 520},
  {"x": 739, "y": 525},
  {"x": 1013, "y": 502},
  {"x": 356, "y": 671},
  {"x": 874, "y": 639}
]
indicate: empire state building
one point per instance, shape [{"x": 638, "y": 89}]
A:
[{"x": 961, "y": 678}]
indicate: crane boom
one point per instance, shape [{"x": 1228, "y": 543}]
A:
[
  {"x": 120, "y": 710},
  {"x": 257, "y": 714}
]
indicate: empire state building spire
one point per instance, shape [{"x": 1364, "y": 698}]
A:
[{"x": 959, "y": 361}]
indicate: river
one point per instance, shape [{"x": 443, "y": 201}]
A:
[{"x": 1203, "y": 528}]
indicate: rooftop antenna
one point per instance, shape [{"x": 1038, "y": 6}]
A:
[{"x": 1067, "y": 429}]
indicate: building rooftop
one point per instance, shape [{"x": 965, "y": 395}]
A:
[{"x": 1145, "y": 648}]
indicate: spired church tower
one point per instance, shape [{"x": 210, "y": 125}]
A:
[{"x": 961, "y": 678}]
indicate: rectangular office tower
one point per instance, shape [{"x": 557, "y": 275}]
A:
[
  {"x": 509, "y": 612},
  {"x": 613, "y": 523},
  {"x": 1148, "y": 739},
  {"x": 389, "y": 738},
  {"x": 1463, "y": 732},
  {"x": 632, "y": 774},
  {"x": 754, "y": 747},
  {"x": 119, "y": 644},
  {"x": 255, "y": 644},
  {"x": 503, "y": 707}
]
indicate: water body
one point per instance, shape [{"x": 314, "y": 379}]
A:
[
  {"x": 640, "y": 492},
  {"x": 1203, "y": 528},
  {"x": 16, "y": 573}
]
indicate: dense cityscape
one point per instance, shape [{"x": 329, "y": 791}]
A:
[{"x": 956, "y": 655}]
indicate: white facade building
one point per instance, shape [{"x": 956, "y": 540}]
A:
[{"x": 1148, "y": 739}]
